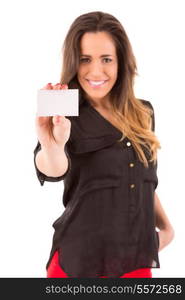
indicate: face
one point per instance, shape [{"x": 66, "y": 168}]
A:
[{"x": 98, "y": 67}]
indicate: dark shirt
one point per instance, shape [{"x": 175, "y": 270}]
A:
[{"x": 108, "y": 225}]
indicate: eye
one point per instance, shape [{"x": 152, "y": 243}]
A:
[
  {"x": 107, "y": 60},
  {"x": 84, "y": 60}
]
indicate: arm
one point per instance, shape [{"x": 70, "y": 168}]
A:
[
  {"x": 49, "y": 164},
  {"x": 52, "y": 163},
  {"x": 166, "y": 233}
]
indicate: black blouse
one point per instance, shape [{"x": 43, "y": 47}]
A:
[{"x": 108, "y": 225}]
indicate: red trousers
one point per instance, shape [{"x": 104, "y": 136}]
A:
[{"x": 55, "y": 271}]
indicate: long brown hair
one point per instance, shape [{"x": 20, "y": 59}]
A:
[{"x": 133, "y": 118}]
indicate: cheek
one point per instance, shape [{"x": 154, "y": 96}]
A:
[
  {"x": 113, "y": 72},
  {"x": 81, "y": 72},
  {"x": 113, "y": 75}
]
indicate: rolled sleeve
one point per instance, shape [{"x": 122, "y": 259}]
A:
[{"x": 43, "y": 177}]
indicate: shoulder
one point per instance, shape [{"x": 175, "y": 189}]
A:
[{"x": 147, "y": 103}]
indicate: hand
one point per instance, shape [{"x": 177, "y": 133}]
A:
[
  {"x": 165, "y": 237},
  {"x": 53, "y": 132}
]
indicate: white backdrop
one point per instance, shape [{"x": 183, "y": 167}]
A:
[{"x": 32, "y": 33}]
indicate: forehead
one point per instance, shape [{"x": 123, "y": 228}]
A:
[{"x": 99, "y": 42}]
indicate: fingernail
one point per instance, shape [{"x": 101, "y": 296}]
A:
[{"x": 58, "y": 119}]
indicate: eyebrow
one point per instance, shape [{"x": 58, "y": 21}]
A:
[{"x": 104, "y": 55}]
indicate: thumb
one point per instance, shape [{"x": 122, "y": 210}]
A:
[{"x": 57, "y": 120}]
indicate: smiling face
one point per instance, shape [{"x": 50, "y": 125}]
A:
[{"x": 98, "y": 67}]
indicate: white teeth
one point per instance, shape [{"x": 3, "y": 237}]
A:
[{"x": 96, "y": 82}]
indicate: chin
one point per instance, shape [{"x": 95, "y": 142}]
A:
[{"x": 96, "y": 96}]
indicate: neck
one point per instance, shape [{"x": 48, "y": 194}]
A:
[{"x": 102, "y": 104}]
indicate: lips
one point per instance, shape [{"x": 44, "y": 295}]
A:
[{"x": 96, "y": 83}]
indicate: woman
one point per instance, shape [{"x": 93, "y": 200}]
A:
[{"x": 107, "y": 157}]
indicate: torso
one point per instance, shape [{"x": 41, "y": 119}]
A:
[{"x": 108, "y": 116}]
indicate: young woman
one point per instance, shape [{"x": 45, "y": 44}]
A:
[{"x": 107, "y": 157}]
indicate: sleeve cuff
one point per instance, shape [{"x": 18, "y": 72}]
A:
[{"x": 41, "y": 176}]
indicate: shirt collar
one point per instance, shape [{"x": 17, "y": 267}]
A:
[{"x": 90, "y": 131}]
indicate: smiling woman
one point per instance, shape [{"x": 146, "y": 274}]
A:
[
  {"x": 108, "y": 228},
  {"x": 98, "y": 69},
  {"x": 97, "y": 48}
]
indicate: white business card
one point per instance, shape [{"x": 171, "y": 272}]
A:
[{"x": 58, "y": 102}]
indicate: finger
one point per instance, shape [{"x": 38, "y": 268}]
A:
[
  {"x": 64, "y": 86},
  {"x": 60, "y": 86},
  {"x": 57, "y": 119},
  {"x": 57, "y": 86},
  {"x": 47, "y": 87},
  {"x": 41, "y": 120}
]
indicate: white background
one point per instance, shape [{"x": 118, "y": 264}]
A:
[{"x": 32, "y": 33}]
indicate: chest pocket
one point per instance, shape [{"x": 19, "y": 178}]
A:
[
  {"x": 94, "y": 185},
  {"x": 149, "y": 174}
]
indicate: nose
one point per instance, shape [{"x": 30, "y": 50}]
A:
[{"x": 95, "y": 70}]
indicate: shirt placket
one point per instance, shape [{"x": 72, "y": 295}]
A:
[{"x": 132, "y": 184}]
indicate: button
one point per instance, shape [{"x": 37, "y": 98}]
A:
[
  {"x": 131, "y": 165},
  {"x": 132, "y": 186},
  {"x": 128, "y": 144}
]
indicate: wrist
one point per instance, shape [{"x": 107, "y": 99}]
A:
[
  {"x": 169, "y": 232},
  {"x": 165, "y": 237},
  {"x": 54, "y": 149},
  {"x": 168, "y": 227}
]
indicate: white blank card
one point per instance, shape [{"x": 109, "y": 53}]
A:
[{"x": 57, "y": 102}]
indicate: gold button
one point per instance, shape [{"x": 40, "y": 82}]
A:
[
  {"x": 132, "y": 186},
  {"x": 131, "y": 165},
  {"x": 128, "y": 144}
]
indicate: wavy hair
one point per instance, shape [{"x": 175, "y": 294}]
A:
[{"x": 133, "y": 117}]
